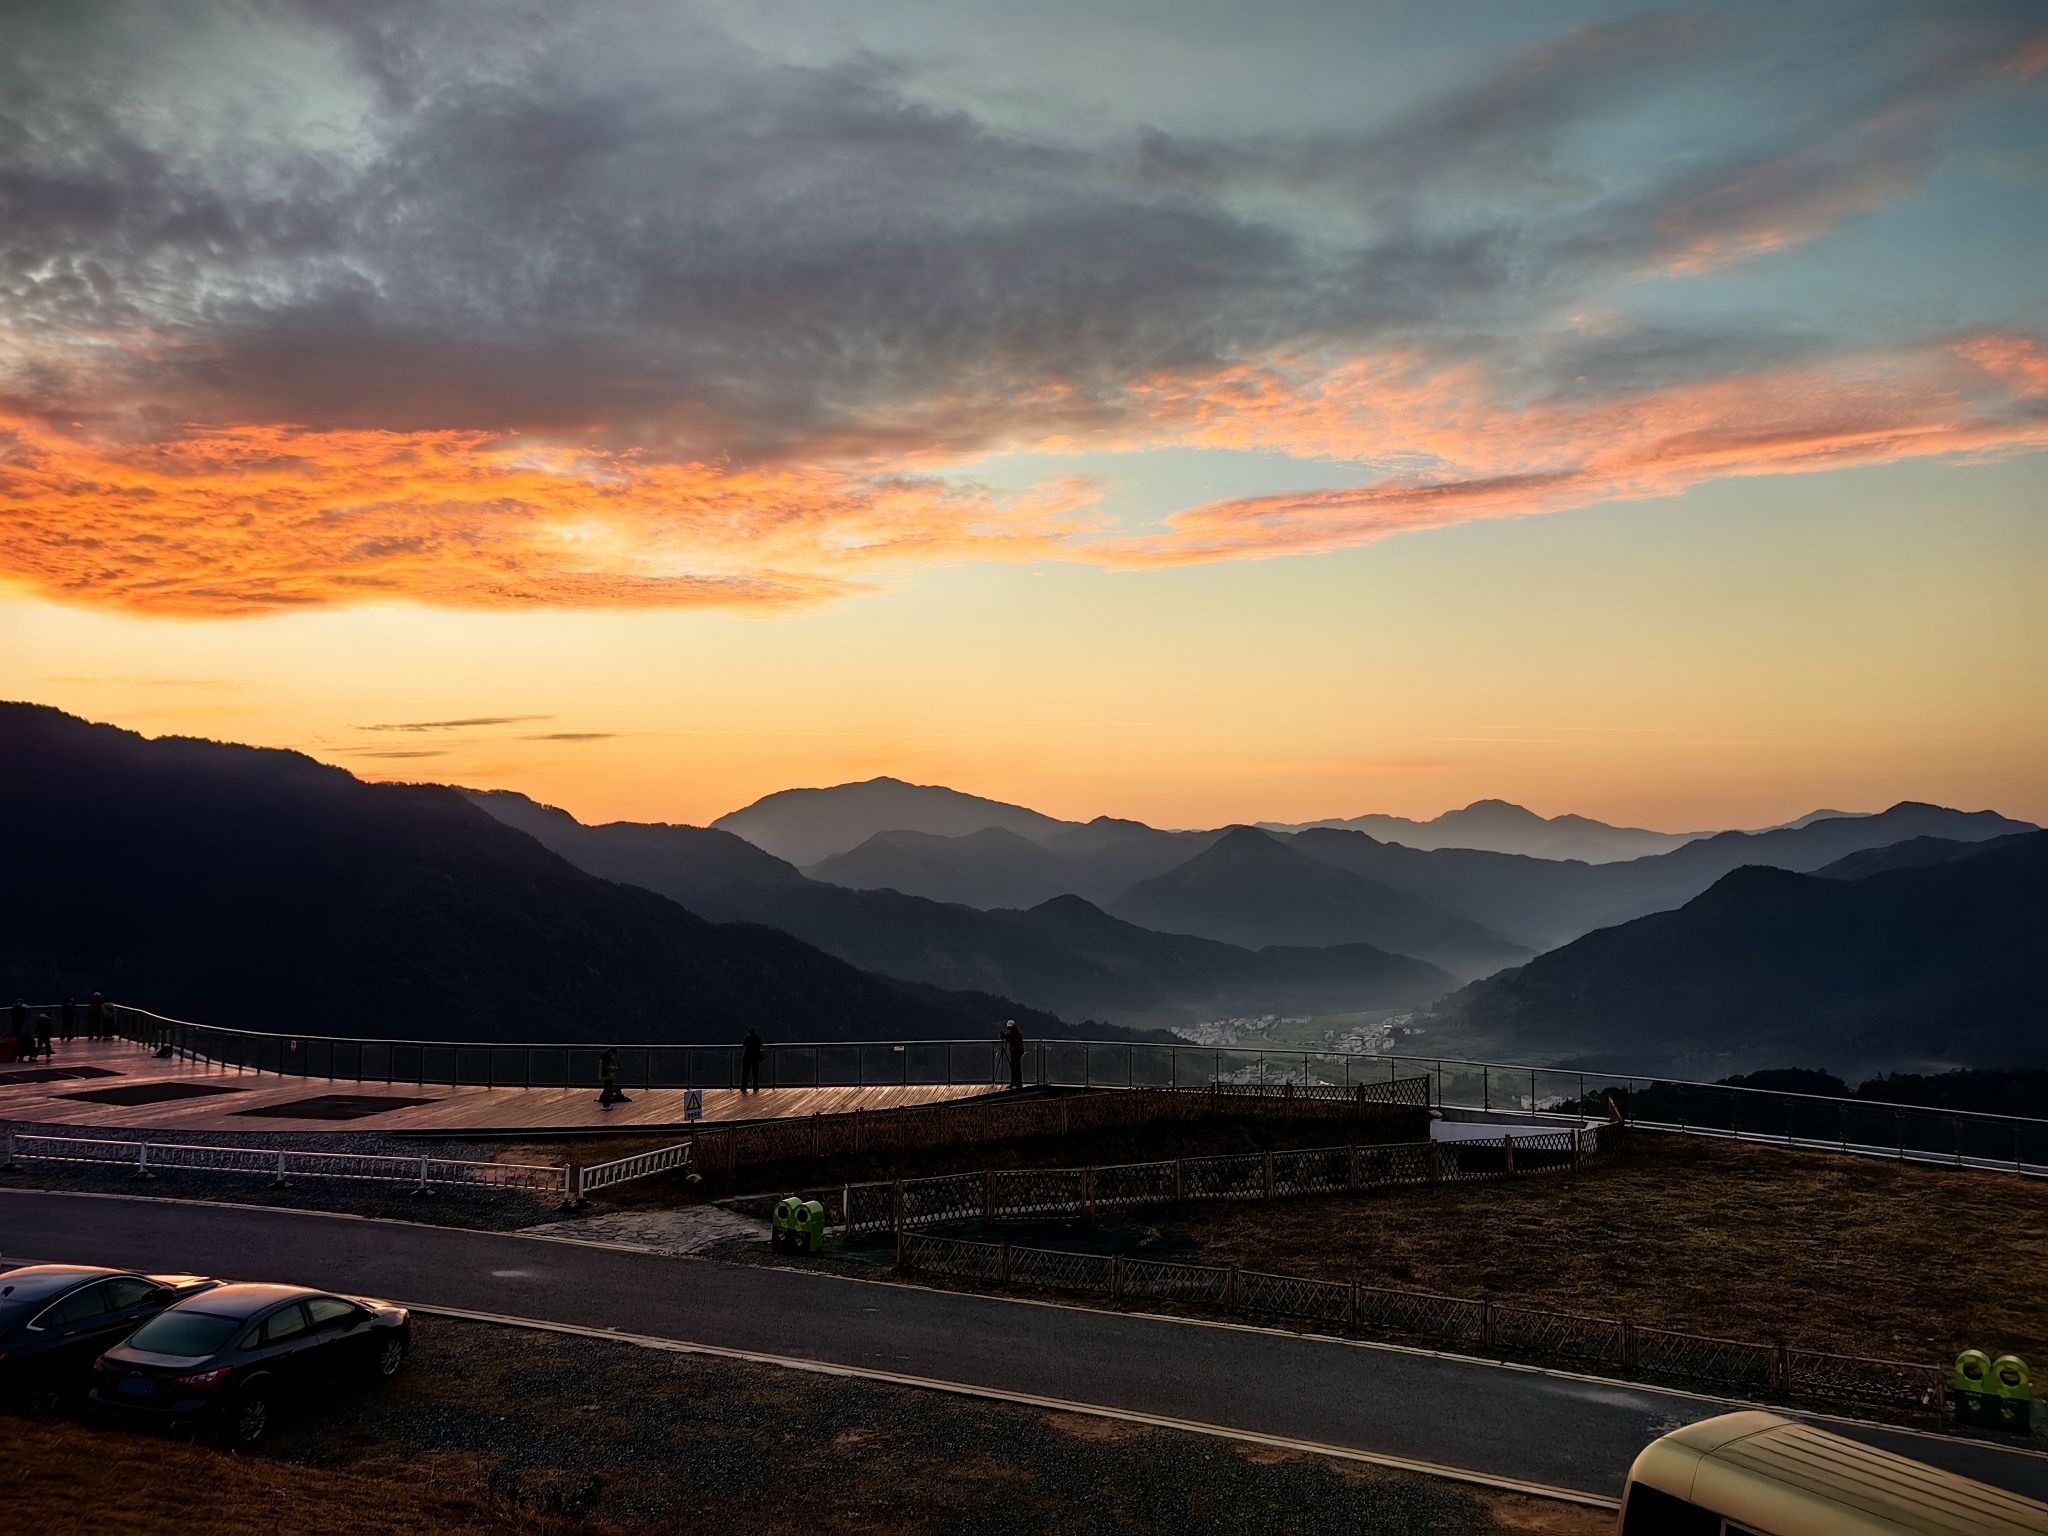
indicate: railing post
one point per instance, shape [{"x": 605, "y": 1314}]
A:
[
  {"x": 1628, "y": 1345},
  {"x": 896, "y": 1206},
  {"x": 1436, "y": 1165},
  {"x": 1230, "y": 1289},
  {"x": 1507, "y": 1147},
  {"x": 1575, "y": 1147},
  {"x": 422, "y": 1188},
  {"x": 1486, "y": 1087},
  {"x": 1116, "y": 1277},
  {"x": 1486, "y": 1324},
  {"x": 1003, "y": 1269},
  {"x": 572, "y": 1187},
  {"x": 1269, "y": 1175},
  {"x": 1351, "y": 1308},
  {"x": 7, "y": 1149},
  {"x": 142, "y": 1162},
  {"x": 988, "y": 1194},
  {"x": 1180, "y": 1170},
  {"x": 278, "y": 1181},
  {"x": 1781, "y": 1369},
  {"x": 1351, "y": 1174},
  {"x": 1088, "y": 1194},
  {"x": 1955, "y": 1131}
]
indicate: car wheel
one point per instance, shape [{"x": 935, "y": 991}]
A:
[
  {"x": 390, "y": 1356},
  {"x": 248, "y": 1419}
]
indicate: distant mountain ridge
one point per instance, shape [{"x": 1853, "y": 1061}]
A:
[
  {"x": 1920, "y": 963},
  {"x": 1500, "y": 826},
  {"x": 805, "y": 826},
  {"x": 1063, "y": 954}
]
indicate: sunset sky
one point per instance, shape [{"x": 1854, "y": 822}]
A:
[{"x": 1183, "y": 411}]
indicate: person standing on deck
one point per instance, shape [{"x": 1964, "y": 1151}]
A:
[
  {"x": 70, "y": 1016},
  {"x": 96, "y": 1017},
  {"x": 608, "y": 1078},
  {"x": 1013, "y": 1040},
  {"x": 750, "y": 1061}
]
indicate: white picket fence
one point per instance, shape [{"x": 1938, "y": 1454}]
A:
[
  {"x": 280, "y": 1165},
  {"x": 585, "y": 1181}
]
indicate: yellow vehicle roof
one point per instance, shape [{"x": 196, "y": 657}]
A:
[{"x": 1787, "y": 1478}]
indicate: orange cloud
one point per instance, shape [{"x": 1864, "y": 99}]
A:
[
  {"x": 255, "y": 519},
  {"x": 1492, "y": 458}
]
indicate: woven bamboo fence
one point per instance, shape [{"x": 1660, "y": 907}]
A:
[
  {"x": 1601, "y": 1344},
  {"x": 1022, "y": 1194}
]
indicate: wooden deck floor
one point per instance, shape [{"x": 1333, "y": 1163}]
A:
[{"x": 220, "y": 1100}]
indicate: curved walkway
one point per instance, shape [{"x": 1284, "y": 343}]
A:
[{"x": 1507, "y": 1422}]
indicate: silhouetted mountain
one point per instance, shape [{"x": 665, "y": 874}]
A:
[
  {"x": 1500, "y": 826},
  {"x": 1938, "y": 963},
  {"x": 1913, "y": 853},
  {"x": 1252, "y": 888},
  {"x": 242, "y": 886},
  {"x": 1811, "y": 817},
  {"x": 1542, "y": 902},
  {"x": 1063, "y": 954},
  {"x": 989, "y": 868},
  {"x": 807, "y": 825}
]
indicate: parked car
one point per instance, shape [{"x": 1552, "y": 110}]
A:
[
  {"x": 55, "y": 1318},
  {"x": 232, "y": 1358}
]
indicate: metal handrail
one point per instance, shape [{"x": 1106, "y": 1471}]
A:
[{"x": 1155, "y": 1049}]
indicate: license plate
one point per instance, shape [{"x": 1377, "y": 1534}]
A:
[{"x": 137, "y": 1386}]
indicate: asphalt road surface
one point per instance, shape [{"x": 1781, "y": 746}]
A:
[{"x": 1527, "y": 1425}]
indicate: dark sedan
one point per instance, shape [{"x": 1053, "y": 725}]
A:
[
  {"x": 232, "y": 1358},
  {"x": 55, "y": 1318}
]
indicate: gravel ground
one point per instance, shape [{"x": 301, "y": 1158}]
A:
[{"x": 633, "y": 1438}]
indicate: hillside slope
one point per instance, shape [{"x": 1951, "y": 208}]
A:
[
  {"x": 1924, "y": 964},
  {"x": 242, "y": 886},
  {"x": 1253, "y": 888}
]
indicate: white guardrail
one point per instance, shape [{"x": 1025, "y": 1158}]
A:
[
  {"x": 585, "y": 1181},
  {"x": 280, "y": 1165}
]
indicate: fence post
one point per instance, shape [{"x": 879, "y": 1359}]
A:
[
  {"x": 1116, "y": 1277},
  {"x": 1628, "y": 1346},
  {"x": 988, "y": 1194},
  {"x": 1436, "y": 1163},
  {"x": 1003, "y": 1265},
  {"x": 1180, "y": 1170},
  {"x": 1351, "y": 1308},
  {"x": 142, "y": 1162},
  {"x": 278, "y": 1181},
  {"x": 422, "y": 1189},
  {"x": 1088, "y": 1194},
  {"x": 1781, "y": 1369},
  {"x": 1486, "y": 1324},
  {"x": 1269, "y": 1175},
  {"x": 1351, "y": 1176},
  {"x": 896, "y": 1212},
  {"x": 1230, "y": 1289},
  {"x": 817, "y": 1134},
  {"x": 7, "y": 1149},
  {"x": 1576, "y": 1131},
  {"x": 1507, "y": 1147},
  {"x": 572, "y": 1187}
]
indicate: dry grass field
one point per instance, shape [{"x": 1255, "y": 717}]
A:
[{"x": 1843, "y": 1253}]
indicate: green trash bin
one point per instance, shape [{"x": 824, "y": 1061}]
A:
[
  {"x": 783, "y": 1222},
  {"x": 807, "y": 1226},
  {"x": 2012, "y": 1394},
  {"x": 1970, "y": 1385}
]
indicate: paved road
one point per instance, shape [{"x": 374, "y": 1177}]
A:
[{"x": 1526, "y": 1425}]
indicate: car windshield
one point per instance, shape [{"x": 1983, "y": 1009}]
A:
[{"x": 188, "y": 1334}]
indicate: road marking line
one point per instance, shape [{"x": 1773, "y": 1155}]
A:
[
  {"x": 1033, "y": 1400},
  {"x": 1519, "y": 1367}
]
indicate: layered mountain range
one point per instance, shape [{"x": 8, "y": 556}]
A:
[{"x": 245, "y": 885}]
